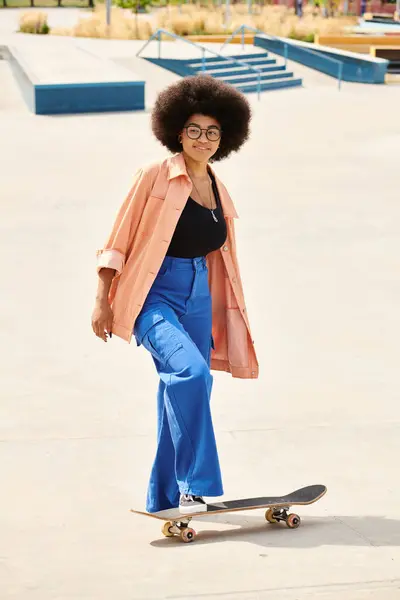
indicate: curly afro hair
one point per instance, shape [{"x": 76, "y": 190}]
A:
[{"x": 202, "y": 94}]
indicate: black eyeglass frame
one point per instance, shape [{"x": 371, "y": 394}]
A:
[{"x": 212, "y": 128}]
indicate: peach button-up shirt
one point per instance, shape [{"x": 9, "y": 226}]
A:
[{"x": 139, "y": 242}]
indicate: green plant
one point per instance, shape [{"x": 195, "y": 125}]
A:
[
  {"x": 137, "y": 6},
  {"x": 307, "y": 37}
]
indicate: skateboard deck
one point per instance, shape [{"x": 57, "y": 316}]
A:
[{"x": 176, "y": 523}]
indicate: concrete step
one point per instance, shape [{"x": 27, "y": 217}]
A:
[
  {"x": 220, "y": 65},
  {"x": 218, "y": 59},
  {"x": 261, "y": 58},
  {"x": 236, "y": 70},
  {"x": 251, "y": 77},
  {"x": 271, "y": 85}
]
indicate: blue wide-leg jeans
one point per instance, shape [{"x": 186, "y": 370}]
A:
[{"x": 175, "y": 327}]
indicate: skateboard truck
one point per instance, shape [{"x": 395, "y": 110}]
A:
[
  {"x": 171, "y": 528},
  {"x": 274, "y": 515}
]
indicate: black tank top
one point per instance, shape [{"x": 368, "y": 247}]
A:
[{"x": 197, "y": 232}]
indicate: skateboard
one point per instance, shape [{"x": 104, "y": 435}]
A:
[{"x": 177, "y": 523}]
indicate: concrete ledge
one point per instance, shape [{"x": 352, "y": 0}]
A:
[
  {"x": 358, "y": 68},
  {"x": 23, "y": 78},
  {"x": 221, "y": 38},
  {"x": 382, "y": 17},
  {"x": 71, "y": 81},
  {"x": 357, "y": 43},
  {"x": 390, "y": 53}
]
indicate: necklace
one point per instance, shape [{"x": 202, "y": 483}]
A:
[{"x": 209, "y": 197}]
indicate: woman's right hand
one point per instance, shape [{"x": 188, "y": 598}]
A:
[{"x": 102, "y": 320}]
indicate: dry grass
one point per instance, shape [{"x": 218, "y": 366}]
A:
[
  {"x": 34, "y": 22},
  {"x": 192, "y": 19},
  {"x": 124, "y": 26},
  {"x": 276, "y": 20}
]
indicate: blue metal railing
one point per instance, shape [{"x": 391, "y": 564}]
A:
[
  {"x": 286, "y": 45},
  {"x": 160, "y": 32},
  {"x": 241, "y": 30}
]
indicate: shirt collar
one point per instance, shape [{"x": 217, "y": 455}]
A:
[{"x": 177, "y": 168}]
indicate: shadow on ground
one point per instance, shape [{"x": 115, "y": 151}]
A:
[{"x": 331, "y": 531}]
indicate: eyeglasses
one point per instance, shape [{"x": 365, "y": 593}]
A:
[{"x": 194, "y": 132}]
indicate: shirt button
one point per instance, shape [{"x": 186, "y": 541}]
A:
[
  {"x": 253, "y": 372},
  {"x": 225, "y": 248}
]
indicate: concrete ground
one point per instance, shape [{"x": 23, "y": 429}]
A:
[{"x": 317, "y": 191}]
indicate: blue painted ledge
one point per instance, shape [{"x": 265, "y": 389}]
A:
[
  {"x": 74, "y": 98},
  {"x": 359, "y": 68},
  {"x": 71, "y": 98}
]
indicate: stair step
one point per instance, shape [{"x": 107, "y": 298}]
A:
[
  {"x": 252, "y": 61},
  {"x": 218, "y": 65},
  {"x": 250, "y": 55},
  {"x": 272, "y": 85},
  {"x": 243, "y": 77},
  {"x": 250, "y": 77},
  {"x": 236, "y": 70},
  {"x": 216, "y": 59}
]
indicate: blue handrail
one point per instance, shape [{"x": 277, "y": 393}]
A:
[
  {"x": 157, "y": 35},
  {"x": 286, "y": 46},
  {"x": 242, "y": 30}
]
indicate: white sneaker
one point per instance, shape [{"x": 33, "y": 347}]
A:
[{"x": 191, "y": 504}]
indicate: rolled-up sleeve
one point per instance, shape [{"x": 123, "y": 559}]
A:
[
  {"x": 119, "y": 243},
  {"x": 110, "y": 259}
]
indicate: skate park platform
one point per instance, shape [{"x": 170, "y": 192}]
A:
[
  {"x": 72, "y": 80},
  {"x": 349, "y": 66}
]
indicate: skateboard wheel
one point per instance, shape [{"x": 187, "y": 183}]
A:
[
  {"x": 167, "y": 529},
  {"x": 293, "y": 521},
  {"x": 269, "y": 515},
  {"x": 188, "y": 535}
]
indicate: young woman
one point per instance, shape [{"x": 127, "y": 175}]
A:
[{"x": 169, "y": 275}]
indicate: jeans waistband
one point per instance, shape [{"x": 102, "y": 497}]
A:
[{"x": 192, "y": 264}]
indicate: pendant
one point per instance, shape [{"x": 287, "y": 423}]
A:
[{"x": 214, "y": 217}]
